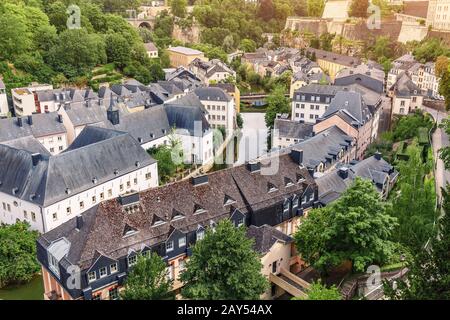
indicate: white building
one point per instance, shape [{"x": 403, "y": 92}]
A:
[
  {"x": 47, "y": 128},
  {"x": 47, "y": 190},
  {"x": 220, "y": 107},
  {"x": 152, "y": 50},
  {"x": 310, "y": 102},
  {"x": 25, "y": 99},
  {"x": 211, "y": 71},
  {"x": 423, "y": 75},
  {"x": 4, "y": 109},
  {"x": 407, "y": 96}
]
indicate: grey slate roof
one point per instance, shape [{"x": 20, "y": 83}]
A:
[
  {"x": 47, "y": 182},
  {"x": 405, "y": 87},
  {"x": 351, "y": 102},
  {"x": 265, "y": 237},
  {"x": 323, "y": 145},
  {"x": 334, "y": 57},
  {"x": 183, "y": 113},
  {"x": 27, "y": 143},
  {"x": 150, "y": 46},
  {"x": 43, "y": 124},
  {"x": 81, "y": 115},
  {"x": 363, "y": 75},
  {"x": 331, "y": 185},
  {"x": 293, "y": 129},
  {"x": 212, "y": 93},
  {"x": 316, "y": 90}
]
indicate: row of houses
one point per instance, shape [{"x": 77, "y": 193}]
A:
[{"x": 158, "y": 220}]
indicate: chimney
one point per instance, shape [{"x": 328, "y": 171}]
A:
[
  {"x": 35, "y": 158},
  {"x": 60, "y": 119},
  {"x": 297, "y": 156},
  {"x": 311, "y": 172},
  {"x": 377, "y": 155},
  {"x": 199, "y": 180},
  {"x": 79, "y": 222},
  {"x": 253, "y": 166},
  {"x": 343, "y": 172},
  {"x": 30, "y": 120},
  {"x": 19, "y": 122}
]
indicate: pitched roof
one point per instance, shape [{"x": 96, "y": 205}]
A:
[
  {"x": 212, "y": 93},
  {"x": 43, "y": 124},
  {"x": 405, "y": 87},
  {"x": 265, "y": 237},
  {"x": 293, "y": 129},
  {"x": 351, "y": 102},
  {"x": 150, "y": 46},
  {"x": 184, "y": 50},
  {"x": 335, "y": 57},
  {"x": 51, "y": 178}
]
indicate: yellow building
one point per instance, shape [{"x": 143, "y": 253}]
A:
[
  {"x": 331, "y": 62},
  {"x": 183, "y": 56}
]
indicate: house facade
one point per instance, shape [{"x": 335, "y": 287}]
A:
[
  {"x": 4, "y": 108},
  {"x": 213, "y": 71},
  {"x": 47, "y": 190},
  {"x": 25, "y": 99},
  {"x": 406, "y": 96},
  {"x": 183, "y": 56}
]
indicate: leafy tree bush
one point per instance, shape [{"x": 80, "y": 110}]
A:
[
  {"x": 148, "y": 280},
  {"x": 224, "y": 266},
  {"x": 18, "y": 261},
  {"x": 277, "y": 102},
  {"x": 318, "y": 291},
  {"x": 356, "y": 228}
]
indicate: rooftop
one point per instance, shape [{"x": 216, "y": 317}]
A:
[{"x": 185, "y": 50}]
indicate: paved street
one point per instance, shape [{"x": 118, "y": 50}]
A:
[{"x": 440, "y": 139}]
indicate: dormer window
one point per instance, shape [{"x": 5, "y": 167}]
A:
[
  {"x": 198, "y": 209},
  {"x": 157, "y": 221},
  {"x": 128, "y": 231},
  {"x": 176, "y": 215},
  {"x": 53, "y": 264},
  {"x": 181, "y": 242},
  {"x": 288, "y": 182},
  {"x": 300, "y": 178},
  {"x": 271, "y": 187},
  {"x": 228, "y": 200},
  {"x": 200, "y": 234},
  {"x": 132, "y": 260}
]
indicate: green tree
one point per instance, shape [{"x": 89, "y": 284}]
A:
[
  {"x": 148, "y": 280},
  {"x": 178, "y": 8},
  {"x": 355, "y": 228},
  {"x": 358, "y": 8},
  {"x": 318, "y": 291},
  {"x": 239, "y": 120},
  {"x": 224, "y": 266},
  {"x": 118, "y": 49},
  {"x": 169, "y": 158},
  {"x": 444, "y": 88},
  {"x": 15, "y": 37},
  {"x": 414, "y": 206},
  {"x": 444, "y": 153},
  {"x": 277, "y": 102},
  {"x": 315, "y": 7},
  {"x": 247, "y": 45},
  {"x": 429, "y": 49},
  {"x": 18, "y": 261},
  {"x": 407, "y": 127},
  {"x": 429, "y": 270}
]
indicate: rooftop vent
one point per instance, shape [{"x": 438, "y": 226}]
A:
[
  {"x": 254, "y": 166},
  {"x": 137, "y": 164},
  {"x": 79, "y": 222},
  {"x": 19, "y": 122},
  {"x": 343, "y": 172},
  {"x": 30, "y": 120},
  {"x": 68, "y": 191},
  {"x": 60, "y": 118},
  {"x": 35, "y": 158},
  {"x": 377, "y": 155},
  {"x": 15, "y": 190},
  {"x": 116, "y": 172},
  {"x": 140, "y": 140},
  {"x": 94, "y": 180}
]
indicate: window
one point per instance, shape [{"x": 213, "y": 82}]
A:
[
  {"x": 53, "y": 263},
  {"x": 302, "y": 115},
  {"x": 414, "y": 99},
  {"x": 113, "y": 294},
  {"x": 113, "y": 268},
  {"x": 312, "y": 107},
  {"x": 135, "y": 181},
  {"x": 200, "y": 234},
  {"x": 4, "y": 206},
  {"x": 121, "y": 187},
  {"x": 25, "y": 214},
  {"x": 169, "y": 246},
  {"x": 33, "y": 216},
  {"x": 59, "y": 138},
  {"x": 92, "y": 276},
  {"x": 240, "y": 222},
  {"x": 68, "y": 210},
  {"x": 102, "y": 196},
  {"x": 109, "y": 192},
  {"x": 181, "y": 265},
  {"x": 52, "y": 150},
  {"x": 223, "y": 118},
  {"x": 295, "y": 202},
  {"x": 311, "y": 116},
  {"x": 81, "y": 204},
  {"x": 303, "y": 106},
  {"x": 402, "y": 103},
  {"x": 182, "y": 242},
  {"x": 9, "y": 207},
  {"x": 128, "y": 184},
  {"x": 60, "y": 148},
  {"x": 103, "y": 272},
  {"x": 132, "y": 260},
  {"x": 148, "y": 175},
  {"x": 170, "y": 272},
  {"x": 55, "y": 216},
  {"x": 317, "y": 107}
]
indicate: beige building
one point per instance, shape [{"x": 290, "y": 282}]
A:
[
  {"x": 25, "y": 99},
  {"x": 183, "y": 56},
  {"x": 152, "y": 50},
  {"x": 331, "y": 62},
  {"x": 406, "y": 96},
  {"x": 438, "y": 16}
]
